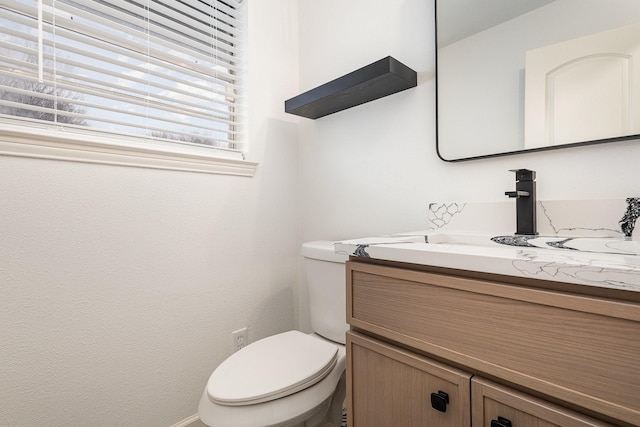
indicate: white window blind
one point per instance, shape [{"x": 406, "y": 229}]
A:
[{"x": 164, "y": 70}]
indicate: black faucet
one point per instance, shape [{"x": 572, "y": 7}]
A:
[{"x": 525, "y": 196}]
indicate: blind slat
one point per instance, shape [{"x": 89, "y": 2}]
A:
[
  {"x": 169, "y": 72},
  {"x": 117, "y": 54},
  {"x": 51, "y": 99},
  {"x": 192, "y": 88},
  {"x": 141, "y": 44},
  {"x": 128, "y": 22}
]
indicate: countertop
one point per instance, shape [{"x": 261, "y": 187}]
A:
[{"x": 565, "y": 264}]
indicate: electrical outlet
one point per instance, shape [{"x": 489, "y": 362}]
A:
[{"x": 239, "y": 339}]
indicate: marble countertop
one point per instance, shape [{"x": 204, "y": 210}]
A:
[{"x": 565, "y": 264}]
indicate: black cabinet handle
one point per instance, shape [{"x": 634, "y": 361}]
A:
[
  {"x": 501, "y": 422},
  {"x": 439, "y": 401}
]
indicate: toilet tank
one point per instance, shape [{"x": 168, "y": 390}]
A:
[{"x": 325, "y": 273}]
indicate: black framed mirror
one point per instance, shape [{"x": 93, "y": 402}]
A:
[{"x": 531, "y": 75}]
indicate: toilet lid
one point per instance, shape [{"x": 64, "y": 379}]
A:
[{"x": 271, "y": 368}]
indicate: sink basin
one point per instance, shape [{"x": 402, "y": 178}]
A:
[
  {"x": 460, "y": 238},
  {"x": 605, "y": 245}
]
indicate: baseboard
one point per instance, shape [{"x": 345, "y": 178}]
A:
[{"x": 192, "y": 421}]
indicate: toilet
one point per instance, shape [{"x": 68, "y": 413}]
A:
[{"x": 290, "y": 379}]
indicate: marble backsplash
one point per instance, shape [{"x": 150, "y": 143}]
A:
[
  {"x": 562, "y": 218},
  {"x": 578, "y": 241}
]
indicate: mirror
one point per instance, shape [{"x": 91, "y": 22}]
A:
[{"x": 530, "y": 75}]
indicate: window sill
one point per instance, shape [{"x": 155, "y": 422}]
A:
[{"x": 66, "y": 146}]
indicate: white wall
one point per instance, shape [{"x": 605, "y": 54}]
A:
[
  {"x": 373, "y": 169},
  {"x": 119, "y": 287}
]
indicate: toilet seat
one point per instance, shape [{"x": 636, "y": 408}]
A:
[{"x": 271, "y": 368}]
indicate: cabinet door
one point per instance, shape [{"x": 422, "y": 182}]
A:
[
  {"x": 581, "y": 350},
  {"x": 494, "y": 405},
  {"x": 391, "y": 387}
]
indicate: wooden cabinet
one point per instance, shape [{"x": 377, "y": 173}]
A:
[
  {"x": 494, "y": 405},
  {"x": 394, "y": 387},
  {"x": 544, "y": 350}
]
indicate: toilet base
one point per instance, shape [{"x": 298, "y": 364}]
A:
[{"x": 328, "y": 414}]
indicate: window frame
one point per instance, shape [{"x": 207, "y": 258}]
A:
[{"x": 43, "y": 140}]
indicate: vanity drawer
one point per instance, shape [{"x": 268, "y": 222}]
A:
[
  {"x": 491, "y": 401},
  {"x": 399, "y": 394},
  {"x": 581, "y": 350}
]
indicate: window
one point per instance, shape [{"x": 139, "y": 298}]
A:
[{"x": 153, "y": 76}]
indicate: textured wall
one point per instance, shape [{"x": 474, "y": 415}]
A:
[
  {"x": 119, "y": 287},
  {"x": 373, "y": 169}
]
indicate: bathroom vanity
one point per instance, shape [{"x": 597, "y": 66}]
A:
[
  {"x": 463, "y": 333},
  {"x": 505, "y": 352}
]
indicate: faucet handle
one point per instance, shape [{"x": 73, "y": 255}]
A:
[
  {"x": 517, "y": 194},
  {"x": 524, "y": 174}
]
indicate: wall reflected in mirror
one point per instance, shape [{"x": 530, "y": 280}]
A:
[{"x": 526, "y": 75}]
